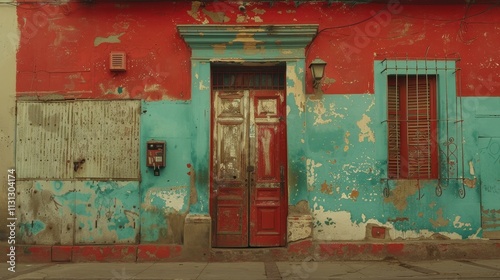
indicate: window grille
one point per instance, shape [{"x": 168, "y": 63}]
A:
[
  {"x": 424, "y": 121},
  {"x": 243, "y": 77}
]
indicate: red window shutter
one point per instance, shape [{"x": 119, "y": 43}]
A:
[
  {"x": 394, "y": 140},
  {"x": 412, "y": 119}
]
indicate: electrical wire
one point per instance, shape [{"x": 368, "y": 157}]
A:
[{"x": 463, "y": 24}]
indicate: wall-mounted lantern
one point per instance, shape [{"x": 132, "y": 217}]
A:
[{"x": 317, "y": 67}]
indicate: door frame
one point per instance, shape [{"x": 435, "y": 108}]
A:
[{"x": 246, "y": 44}]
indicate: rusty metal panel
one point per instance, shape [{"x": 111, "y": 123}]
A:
[
  {"x": 45, "y": 214},
  {"x": 43, "y": 140},
  {"x": 107, "y": 212},
  {"x": 106, "y": 139}
]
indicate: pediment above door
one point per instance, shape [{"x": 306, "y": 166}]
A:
[{"x": 213, "y": 41}]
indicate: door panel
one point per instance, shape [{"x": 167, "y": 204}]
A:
[
  {"x": 267, "y": 152},
  {"x": 490, "y": 186},
  {"x": 249, "y": 156},
  {"x": 229, "y": 189}
]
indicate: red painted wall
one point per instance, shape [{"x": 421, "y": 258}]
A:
[{"x": 60, "y": 55}]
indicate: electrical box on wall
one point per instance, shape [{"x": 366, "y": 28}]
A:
[{"x": 156, "y": 155}]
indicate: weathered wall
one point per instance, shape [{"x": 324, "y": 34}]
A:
[
  {"x": 9, "y": 40},
  {"x": 78, "y": 212},
  {"x": 346, "y": 179},
  {"x": 65, "y": 48},
  {"x": 336, "y": 136},
  {"x": 166, "y": 199}
]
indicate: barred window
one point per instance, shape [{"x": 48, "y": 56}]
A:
[{"x": 412, "y": 133}]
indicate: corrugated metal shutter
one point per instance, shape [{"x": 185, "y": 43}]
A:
[
  {"x": 419, "y": 129},
  {"x": 412, "y": 127},
  {"x": 106, "y": 139},
  {"x": 101, "y": 137},
  {"x": 43, "y": 140}
]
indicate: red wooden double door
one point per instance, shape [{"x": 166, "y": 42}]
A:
[{"x": 248, "y": 193}]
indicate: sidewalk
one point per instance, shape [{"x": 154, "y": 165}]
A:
[{"x": 449, "y": 269}]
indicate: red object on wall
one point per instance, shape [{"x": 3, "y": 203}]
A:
[
  {"x": 117, "y": 61},
  {"x": 378, "y": 232}
]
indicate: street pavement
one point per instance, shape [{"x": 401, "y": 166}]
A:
[{"x": 391, "y": 269}]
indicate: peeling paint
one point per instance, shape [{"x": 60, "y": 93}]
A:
[
  {"x": 311, "y": 173},
  {"x": 257, "y": 19},
  {"x": 346, "y": 141},
  {"x": 249, "y": 42},
  {"x": 458, "y": 224},
  {"x": 366, "y": 132},
  {"x": 241, "y": 18},
  {"x": 166, "y": 199},
  {"x": 328, "y": 81},
  {"x": 339, "y": 225},
  {"x": 195, "y": 7},
  {"x": 471, "y": 168},
  {"x": 219, "y": 17},
  {"x": 296, "y": 88},
  {"x": 112, "y": 39},
  {"x": 219, "y": 49},
  {"x": 154, "y": 88},
  {"x": 202, "y": 86},
  {"x": 439, "y": 221},
  {"x": 259, "y": 11},
  {"x": 320, "y": 110},
  {"x": 299, "y": 227},
  {"x": 399, "y": 196},
  {"x": 371, "y": 105},
  {"x": 327, "y": 188},
  {"x": 471, "y": 183},
  {"x": 354, "y": 195},
  {"x": 333, "y": 112}
]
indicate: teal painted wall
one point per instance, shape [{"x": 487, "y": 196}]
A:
[
  {"x": 346, "y": 165},
  {"x": 337, "y": 165},
  {"x": 336, "y": 160},
  {"x": 165, "y": 199},
  {"x": 80, "y": 212},
  {"x": 200, "y": 131}
]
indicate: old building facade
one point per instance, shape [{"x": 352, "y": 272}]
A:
[{"x": 395, "y": 142}]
